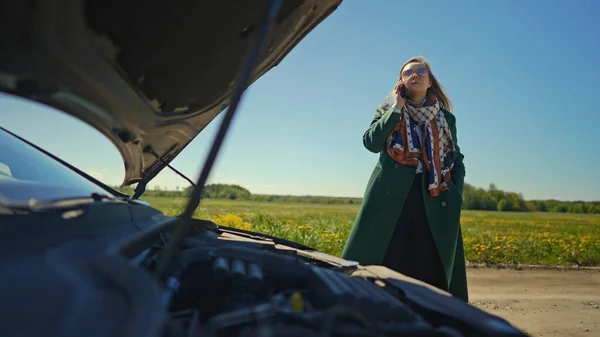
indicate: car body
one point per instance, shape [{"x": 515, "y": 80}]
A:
[{"x": 78, "y": 257}]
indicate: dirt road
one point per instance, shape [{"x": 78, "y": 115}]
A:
[{"x": 549, "y": 303}]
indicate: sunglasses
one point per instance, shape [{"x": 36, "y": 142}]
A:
[{"x": 421, "y": 71}]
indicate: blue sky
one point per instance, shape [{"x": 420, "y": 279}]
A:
[{"x": 523, "y": 77}]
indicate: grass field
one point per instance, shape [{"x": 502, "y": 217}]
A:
[{"x": 490, "y": 237}]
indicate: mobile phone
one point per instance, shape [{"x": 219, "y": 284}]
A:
[{"x": 402, "y": 90}]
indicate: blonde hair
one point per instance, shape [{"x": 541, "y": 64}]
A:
[{"x": 436, "y": 88}]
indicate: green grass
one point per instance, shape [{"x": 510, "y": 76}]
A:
[{"x": 490, "y": 237}]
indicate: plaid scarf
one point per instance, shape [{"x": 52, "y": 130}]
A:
[{"x": 437, "y": 146}]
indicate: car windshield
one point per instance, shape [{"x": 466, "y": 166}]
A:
[{"x": 26, "y": 173}]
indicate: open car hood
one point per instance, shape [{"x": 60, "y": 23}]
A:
[{"x": 149, "y": 75}]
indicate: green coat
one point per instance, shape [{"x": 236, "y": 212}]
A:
[{"x": 385, "y": 194}]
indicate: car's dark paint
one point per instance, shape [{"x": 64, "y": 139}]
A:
[
  {"x": 33, "y": 231},
  {"x": 77, "y": 287}
]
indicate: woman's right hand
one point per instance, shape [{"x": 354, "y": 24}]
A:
[{"x": 398, "y": 99}]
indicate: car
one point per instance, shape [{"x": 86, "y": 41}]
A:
[{"x": 81, "y": 258}]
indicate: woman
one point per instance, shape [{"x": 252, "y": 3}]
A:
[{"x": 409, "y": 220}]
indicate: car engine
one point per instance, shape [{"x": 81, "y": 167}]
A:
[{"x": 249, "y": 288}]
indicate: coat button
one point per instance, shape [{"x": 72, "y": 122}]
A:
[
  {"x": 443, "y": 204},
  {"x": 387, "y": 192}
]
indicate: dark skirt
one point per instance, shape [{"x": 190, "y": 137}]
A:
[{"x": 412, "y": 251}]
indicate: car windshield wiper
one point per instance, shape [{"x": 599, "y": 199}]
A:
[{"x": 58, "y": 204}]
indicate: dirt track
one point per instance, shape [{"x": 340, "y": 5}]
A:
[{"x": 549, "y": 303}]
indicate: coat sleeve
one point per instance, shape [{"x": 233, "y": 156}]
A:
[
  {"x": 374, "y": 139},
  {"x": 458, "y": 171}
]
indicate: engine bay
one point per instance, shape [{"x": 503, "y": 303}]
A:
[{"x": 229, "y": 287}]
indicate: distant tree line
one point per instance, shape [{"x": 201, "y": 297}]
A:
[
  {"x": 212, "y": 191},
  {"x": 494, "y": 199},
  {"x": 490, "y": 199}
]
